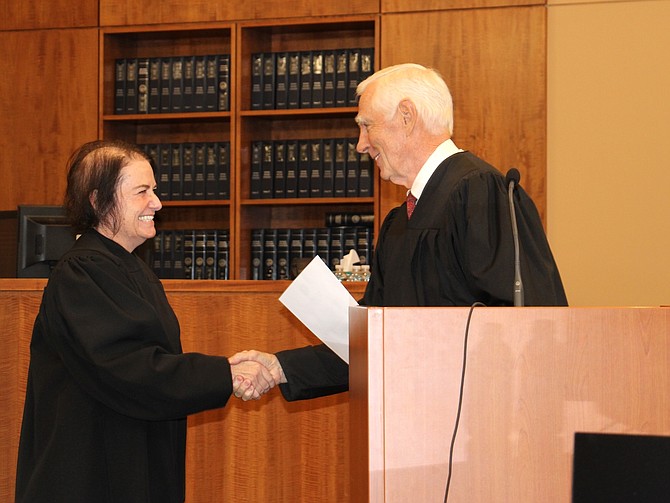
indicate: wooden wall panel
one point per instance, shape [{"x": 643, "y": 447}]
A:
[
  {"x": 132, "y": 12},
  {"x": 388, "y": 6},
  {"x": 494, "y": 63},
  {"x": 267, "y": 450},
  {"x": 18, "y": 307},
  {"x": 49, "y": 107},
  {"x": 9, "y": 230},
  {"x": 36, "y": 14}
]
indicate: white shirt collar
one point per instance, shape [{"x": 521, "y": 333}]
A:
[{"x": 443, "y": 151}]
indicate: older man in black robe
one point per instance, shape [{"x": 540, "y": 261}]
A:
[{"x": 450, "y": 244}]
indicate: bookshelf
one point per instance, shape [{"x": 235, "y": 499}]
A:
[{"x": 240, "y": 125}]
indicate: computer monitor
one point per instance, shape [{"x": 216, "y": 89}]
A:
[
  {"x": 620, "y": 468},
  {"x": 44, "y": 235}
]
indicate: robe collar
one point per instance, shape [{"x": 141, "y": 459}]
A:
[{"x": 444, "y": 150}]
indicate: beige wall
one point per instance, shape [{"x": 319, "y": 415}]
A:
[{"x": 608, "y": 150}]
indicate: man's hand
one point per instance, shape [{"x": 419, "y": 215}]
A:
[
  {"x": 251, "y": 379},
  {"x": 271, "y": 371}
]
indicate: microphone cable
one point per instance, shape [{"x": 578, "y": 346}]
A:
[{"x": 460, "y": 398}]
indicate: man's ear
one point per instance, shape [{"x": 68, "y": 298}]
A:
[{"x": 408, "y": 115}]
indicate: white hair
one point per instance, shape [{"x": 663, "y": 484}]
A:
[{"x": 423, "y": 86}]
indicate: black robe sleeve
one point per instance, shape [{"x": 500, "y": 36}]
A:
[{"x": 312, "y": 371}]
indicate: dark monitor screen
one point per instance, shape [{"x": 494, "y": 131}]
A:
[
  {"x": 621, "y": 468},
  {"x": 44, "y": 236}
]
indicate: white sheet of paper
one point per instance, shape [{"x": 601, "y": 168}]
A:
[{"x": 318, "y": 299}]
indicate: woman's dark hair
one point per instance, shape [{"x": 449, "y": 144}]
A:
[{"x": 93, "y": 175}]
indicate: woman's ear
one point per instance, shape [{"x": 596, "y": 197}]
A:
[{"x": 93, "y": 198}]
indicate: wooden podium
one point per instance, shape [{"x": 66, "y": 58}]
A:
[{"x": 533, "y": 377}]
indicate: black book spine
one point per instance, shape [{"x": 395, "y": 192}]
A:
[
  {"x": 352, "y": 168},
  {"x": 268, "y": 80},
  {"x": 165, "y": 77},
  {"x": 306, "y": 79},
  {"x": 211, "y": 83},
  {"x": 353, "y": 78},
  {"x": 255, "y": 169},
  {"x": 257, "y": 81},
  {"x": 291, "y": 168},
  {"x": 199, "y": 237},
  {"x": 367, "y": 63},
  {"x": 281, "y": 80},
  {"x": 177, "y": 254},
  {"x": 257, "y": 237},
  {"x": 211, "y": 170},
  {"x": 166, "y": 252},
  {"x": 152, "y": 150},
  {"x": 364, "y": 244},
  {"x": 210, "y": 255},
  {"x": 177, "y": 85},
  {"x": 189, "y": 253},
  {"x": 365, "y": 175},
  {"x": 351, "y": 219},
  {"x": 350, "y": 240},
  {"x": 303, "y": 167},
  {"x": 188, "y": 83},
  {"x": 157, "y": 254},
  {"x": 199, "y": 156},
  {"x": 120, "y": 86},
  {"x": 199, "y": 83},
  {"x": 270, "y": 254},
  {"x": 222, "y": 253},
  {"x": 309, "y": 243},
  {"x": 279, "y": 185},
  {"x": 176, "y": 172},
  {"x": 323, "y": 244},
  {"x": 316, "y": 169},
  {"x": 223, "y": 170},
  {"x": 188, "y": 171},
  {"x": 293, "y": 80},
  {"x": 267, "y": 171},
  {"x": 224, "y": 83},
  {"x": 131, "y": 86},
  {"x": 283, "y": 243},
  {"x": 336, "y": 246},
  {"x": 329, "y": 65},
  {"x": 295, "y": 249},
  {"x": 339, "y": 173},
  {"x": 154, "y": 85},
  {"x": 143, "y": 85},
  {"x": 164, "y": 171},
  {"x": 328, "y": 163},
  {"x": 317, "y": 79},
  {"x": 341, "y": 77}
]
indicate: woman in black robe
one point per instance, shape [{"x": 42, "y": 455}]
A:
[{"x": 108, "y": 387}]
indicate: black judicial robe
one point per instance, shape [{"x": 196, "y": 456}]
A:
[
  {"x": 457, "y": 249},
  {"x": 108, "y": 387}
]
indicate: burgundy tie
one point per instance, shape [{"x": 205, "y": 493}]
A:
[{"x": 411, "y": 203}]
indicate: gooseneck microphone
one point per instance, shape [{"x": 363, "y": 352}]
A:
[{"x": 512, "y": 178}]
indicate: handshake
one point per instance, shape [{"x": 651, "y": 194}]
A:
[{"x": 254, "y": 373}]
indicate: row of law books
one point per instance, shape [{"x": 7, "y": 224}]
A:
[
  {"x": 310, "y": 168},
  {"x": 191, "y": 171},
  {"x": 274, "y": 252},
  {"x": 174, "y": 84},
  {"x": 308, "y": 79},
  {"x": 190, "y": 254}
]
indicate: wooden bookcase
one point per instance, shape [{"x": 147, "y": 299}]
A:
[{"x": 241, "y": 125}]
